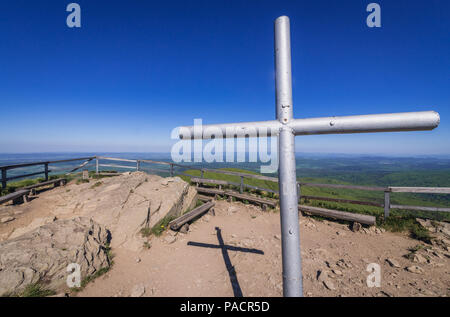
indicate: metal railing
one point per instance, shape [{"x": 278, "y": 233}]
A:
[
  {"x": 242, "y": 185},
  {"x": 138, "y": 165},
  {"x": 47, "y": 169}
]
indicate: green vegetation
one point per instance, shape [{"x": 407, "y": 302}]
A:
[
  {"x": 90, "y": 278},
  {"x": 162, "y": 225},
  {"x": 398, "y": 221},
  {"x": 159, "y": 228},
  {"x": 409, "y": 224},
  {"x": 146, "y": 232},
  {"x": 82, "y": 181},
  {"x": 32, "y": 290},
  {"x": 13, "y": 186},
  {"x": 97, "y": 184},
  {"x": 413, "y": 250}
]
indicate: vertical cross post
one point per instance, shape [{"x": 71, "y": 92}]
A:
[
  {"x": 387, "y": 204},
  {"x": 171, "y": 170},
  {"x": 96, "y": 165},
  {"x": 287, "y": 180},
  {"x": 138, "y": 165}
]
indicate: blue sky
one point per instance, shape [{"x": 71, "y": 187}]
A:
[{"x": 137, "y": 69}]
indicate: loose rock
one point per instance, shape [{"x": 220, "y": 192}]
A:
[
  {"x": 393, "y": 262},
  {"x": 329, "y": 284},
  {"x": 185, "y": 228},
  {"x": 419, "y": 258},
  {"x": 356, "y": 226},
  {"x": 7, "y": 219},
  {"x": 138, "y": 291},
  {"x": 415, "y": 269},
  {"x": 170, "y": 239}
]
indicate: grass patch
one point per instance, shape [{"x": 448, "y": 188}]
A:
[
  {"x": 37, "y": 290},
  {"x": 159, "y": 228},
  {"x": 413, "y": 250},
  {"x": 90, "y": 278},
  {"x": 420, "y": 233},
  {"x": 97, "y": 184},
  {"x": 146, "y": 232},
  {"x": 82, "y": 181},
  {"x": 409, "y": 224},
  {"x": 33, "y": 290},
  {"x": 13, "y": 186}
]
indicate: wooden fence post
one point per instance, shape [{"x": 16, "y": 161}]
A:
[
  {"x": 241, "y": 189},
  {"x": 3, "y": 178},
  {"x": 46, "y": 171},
  {"x": 96, "y": 165},
  {"x": 202, "y": 173},
  {"x": 387, "y": 204},
  {"x": 138, "y": 165},
  {"x": 171, "y": 170}
]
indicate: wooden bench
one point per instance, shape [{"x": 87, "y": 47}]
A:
[
  {"x": 260, "y": 201},
  {"x": 211, "y": 181},
  {"x": 342, "y": 215},
  {"x": 204, "y": 198},
  {"x": 55, "y": 182},
  {"x": 213, "y": 191},
  {"x": 17, "y": 197},
  {"x": 180, "y": 221}
]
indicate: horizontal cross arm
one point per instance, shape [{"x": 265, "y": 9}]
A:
[
  {"x": 389, "y": 122},
  {"x": 231, "y": 130}
]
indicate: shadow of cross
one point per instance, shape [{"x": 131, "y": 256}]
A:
[{"x": 230, "y": 268}]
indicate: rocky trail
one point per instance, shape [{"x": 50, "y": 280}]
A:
[{"x": 237, "y": 252}]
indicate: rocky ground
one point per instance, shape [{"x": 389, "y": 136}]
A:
[
  {"x": 204, "y": 262},
  {"x": 237, "y": 251}
]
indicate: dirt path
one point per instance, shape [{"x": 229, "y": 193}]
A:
[{"x": 250, "y": 265}]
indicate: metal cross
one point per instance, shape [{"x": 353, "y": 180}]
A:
[{"x": 287, "y": 128}]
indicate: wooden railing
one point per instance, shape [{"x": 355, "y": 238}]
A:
[
  {"x": 137, "y": 165},
  {"x": 5, "y": 179}
]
